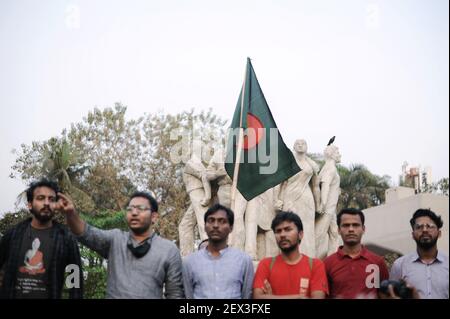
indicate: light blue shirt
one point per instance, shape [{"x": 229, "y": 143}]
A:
[
  {"x": 228, "y": 276},
  {"x": 430, "y": 280}
]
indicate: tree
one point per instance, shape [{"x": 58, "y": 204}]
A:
[
  {"x": 167, "y": 136},
  {"x": 440, "y": 187},
  {"x": 10, "y": 219},
  {"x": 55, "y": 159},
  {"x": 108, "y": 157},
  {"x": 360, "y": 188},
  {"x": 93, "y": 158}
]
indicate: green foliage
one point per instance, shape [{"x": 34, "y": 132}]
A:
[
  {"x": 94, "y": 265},
  {"x": 10, "y": 219},
  {"x": 106, "y": 220},
  {"x": 440, "y": 187},
  {"x": 360, "y": 188},
  {"x": 95, "y": 274}
]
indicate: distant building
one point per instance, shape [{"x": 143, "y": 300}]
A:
[
  {"x": 387, "y": 226},
  {"x": 415, "y": 177}
]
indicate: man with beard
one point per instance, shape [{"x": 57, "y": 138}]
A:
[
  {"x": 218, "y": 271},
  {"x": 290, "y": 275},
  {"x": 34, "y": 253},
  {"x": 141, "y": 264},
  {"x": 354, "y": 271},
  {"x": 426, "y": 269}
]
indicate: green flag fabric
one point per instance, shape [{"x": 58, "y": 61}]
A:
[{"x": 265, "y": 160}]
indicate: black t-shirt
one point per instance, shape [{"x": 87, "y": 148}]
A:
[{"x": 32, "y": 274}]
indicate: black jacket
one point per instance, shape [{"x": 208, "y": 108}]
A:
[{"x": 65, "y": 252}]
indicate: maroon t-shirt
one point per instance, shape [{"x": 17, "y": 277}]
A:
[{"x": 357, "y": 277}]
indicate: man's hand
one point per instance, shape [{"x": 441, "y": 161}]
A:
[
  {"x": 64, "y": 204},
  {"x": 267, "y": 289}
]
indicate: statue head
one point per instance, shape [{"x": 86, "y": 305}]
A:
[
  {"x": 332, "y": 152},
  {"x": 300, "y": 146}
]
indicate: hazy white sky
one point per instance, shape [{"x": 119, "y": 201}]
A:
[{"x": 373, "y": 73}]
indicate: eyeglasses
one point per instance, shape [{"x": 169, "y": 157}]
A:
[
  {"x": 423, "y": 226},
  {"x": 139, "y": 208}
]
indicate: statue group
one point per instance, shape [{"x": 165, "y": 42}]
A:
[{"x": 312, "y": 193}]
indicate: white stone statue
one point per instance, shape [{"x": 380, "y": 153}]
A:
[
  {"x": 251, "y": 231},
  {"x": 300, "y": 194},
  {"x": 327, "y": 237},
  {"x": 216, "y": 171},
  {"x": 259, "y": 238},
  {"x": 199, "y": 191},
  {"x": 186, "y": 231}
]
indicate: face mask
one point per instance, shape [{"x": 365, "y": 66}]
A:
[{"x": 141, "y": 250}]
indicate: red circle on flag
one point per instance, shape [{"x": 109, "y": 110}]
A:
[{"x": 253, "y": 135}]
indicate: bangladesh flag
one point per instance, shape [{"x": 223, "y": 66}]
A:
[{"x": 265, "y": 161}]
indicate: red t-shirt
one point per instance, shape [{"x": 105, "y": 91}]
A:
[
  {"x": 347, "y": 276},
  {"x": 295, "y": 279}
]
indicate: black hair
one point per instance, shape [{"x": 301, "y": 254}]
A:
[
  {"x": 287, "y": 217},
  {"x": 216, "y": 207},
  {"x": 427, "y": 213},
  {"x": 152, "y": 201},
  {"x": 350, "y": 211},
  {"x": 43, "y": 182}
]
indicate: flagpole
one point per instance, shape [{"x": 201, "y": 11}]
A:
[{"x": 239, "y": 147}]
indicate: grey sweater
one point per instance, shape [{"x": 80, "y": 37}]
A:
[{"x": 130, "y": 277}]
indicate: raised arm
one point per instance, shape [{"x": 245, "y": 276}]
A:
[
  {"x": 96, "y": 239},
  {"x": 66, "y": 206}
]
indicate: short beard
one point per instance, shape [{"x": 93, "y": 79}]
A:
[
  {"x": 289, "y": 249},
  {"x": 215, "y": 241},
  {"x": 140, "y": 230},
  {"x": 427, "y": 245},
  {"x": 42, "y": 218},
  {"x": 352, "y": 243}
]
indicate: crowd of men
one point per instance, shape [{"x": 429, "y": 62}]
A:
[{"x": 36, "y": 253}]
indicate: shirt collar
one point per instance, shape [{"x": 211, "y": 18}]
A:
[
  {"x": 440, "y": 257},
  {"x": 416, "y": 258},
  {"x": 221, "y": 252},
  {"x": 362, "y": 253}
]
